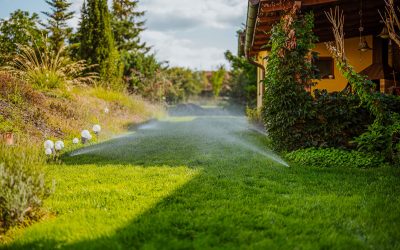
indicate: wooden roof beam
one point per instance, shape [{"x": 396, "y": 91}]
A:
[
  {"x": 316, "y": 2},
  {"x": 268, "y": 19},
  {"x": 268, "y": 7}
]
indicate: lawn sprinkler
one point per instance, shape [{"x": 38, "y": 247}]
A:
[{"x": 86, "y": 136}]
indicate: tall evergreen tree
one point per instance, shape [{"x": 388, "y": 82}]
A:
[
  {"x": 127, "y": 26},
  {"x": 57, "y": 25},
  {"x": 97, "y": 42},
  {"x": 81, "y": 38}
]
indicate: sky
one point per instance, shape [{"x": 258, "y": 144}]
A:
[{"x": 185, "y": 33}]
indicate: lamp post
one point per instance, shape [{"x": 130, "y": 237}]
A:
[
  {"x": 85, "y": 136},
  {"x": 96, "y": 129}
]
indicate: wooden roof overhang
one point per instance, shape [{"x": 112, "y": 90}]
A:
[{"x": 270, "y": 11}]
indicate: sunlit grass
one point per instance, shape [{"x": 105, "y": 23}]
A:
[
  {"x": 179, "y": 119},
  {"x": 92, "y": 202},
  {"x": 132, "y": 102}
]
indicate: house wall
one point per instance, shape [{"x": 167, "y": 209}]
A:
[
  {"x": 359, "y": 60},
  {"x": 260, "y": 77}
]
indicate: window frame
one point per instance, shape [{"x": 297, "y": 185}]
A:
[{"x": 330, "y": 59}]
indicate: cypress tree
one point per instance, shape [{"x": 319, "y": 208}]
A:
[
  {"x": 127, "y": 26},
  {"x": 57, "y": 22},
  {"x": 82, "y": 36},
  {"x": 97, "y": 42}
]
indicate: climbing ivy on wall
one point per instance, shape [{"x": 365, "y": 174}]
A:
[
  {"x": 296, "y": 119},
  {"x": 287, "y": 104}
]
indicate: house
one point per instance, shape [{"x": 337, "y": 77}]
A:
[{"x": 368, "y": 47}]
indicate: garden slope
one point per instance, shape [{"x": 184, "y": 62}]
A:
[{"x": 62, "y": 114}]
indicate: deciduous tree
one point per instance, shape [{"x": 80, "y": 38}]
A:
[
  {"x": 217, "y": 80},
  {"x": 20, "y": 28}
]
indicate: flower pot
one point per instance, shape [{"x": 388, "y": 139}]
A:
[{"x": 8, "y": 138}]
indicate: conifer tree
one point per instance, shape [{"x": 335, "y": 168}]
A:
[
  {"x": 82, "y": 36},
  {"x": 127, "y": 26},
  {"x": 97, "y": 42},
  {"x": 57, "y": 26}
]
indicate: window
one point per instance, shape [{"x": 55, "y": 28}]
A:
[{"x": 326, "y": 67}]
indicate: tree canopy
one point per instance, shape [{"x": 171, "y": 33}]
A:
[{"x": 20, "y": 28}]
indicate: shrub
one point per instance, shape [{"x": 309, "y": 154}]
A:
[
  {"x": 337, "y": 118},
  {"x": 329, "y": 157},
  {"x": 6, "y": 125},
  {"x": 45, "y": 69},
  {"x": 243, "y": 79},
  {"x": 16, "y": 91},
  {"x": 23, "y": 186},
  {"x": 382, "y": 139}
]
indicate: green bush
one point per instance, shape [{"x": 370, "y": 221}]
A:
[
  {"x": 330, "y": 157},
  {"x": 6, "y": 125},
  {"x": 337, "y": 118},
  {"x": 289, "y": 71},
  {"x": 23, "y": 185},
  {"x": 243, "y": 79}
]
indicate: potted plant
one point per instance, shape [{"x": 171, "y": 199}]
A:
[{"x": 7, "y": 131}]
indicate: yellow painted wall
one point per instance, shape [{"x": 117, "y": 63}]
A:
[
  {"x": 260, "y": 86},
  {"x": 359, "y": 60},
  {"x": 260, "y": 59}
]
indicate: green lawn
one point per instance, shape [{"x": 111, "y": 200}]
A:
[{"x": 208, "y": 182}]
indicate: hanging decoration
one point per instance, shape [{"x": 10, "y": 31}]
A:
[{"x": 363, "y": 45}]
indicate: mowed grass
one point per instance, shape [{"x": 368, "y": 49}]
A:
[{"x": 209, "y": 182}]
